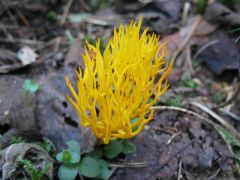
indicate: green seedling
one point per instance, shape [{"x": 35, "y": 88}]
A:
[
  {"x": 116, "y": 147},
  {"x": 69, "y": 36},
  {"x": 99, "y": 4},
  {"x": 190, "y": 83},
  {"x": 92, "y": 40},
  {"x": 52, "y": 16},
  {"x": 219, "y": 97},
  {"x": 174, "y": 101},
  {"x": 201, "y": 6},
  {"x": 47, "y": 145},
  {"x": 35, "y": 173},
  {"x": 197, "y": 63},
  {"x": 113, "y": 149},
  {"x": 29, "y": 87},
  {"x": 91, "y": 165},
  {"x": 17, "y": 140}
]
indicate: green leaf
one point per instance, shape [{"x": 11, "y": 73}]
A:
[
  {"x": 68, "y": 157},
  {"x": 105, "y": 172},
  {"x": 128, "y": 147},
  {"x": 47, "y": 145},
  {"x": 17, "y": 140},
  {"x": 190, "y": 83},
  {"x": 74, "y": 146},
  {"x": 90, "y": 167},
  {"x": 78, "y": 18},
  {"x": 69, "y": 36},
  {"x": 175, "y": 101},
  {"x": 149, "y": 100},
  {"x": 30, "y": 86},
  {"x": 201, "y": 6},
  {"x": 75, "y": 157},
  {"x": 96, "y": 153},
  {"x": 113, "y": 149},
  {"x": 219, "y": 97},
  {"x": 132, "y": 122},
  {"x": 52, "y": 16},
  {"x": 67, "y": 172}
]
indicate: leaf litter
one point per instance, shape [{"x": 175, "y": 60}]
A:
[{"x": 175, "y": 144}]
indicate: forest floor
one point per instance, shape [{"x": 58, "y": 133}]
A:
[{"x": 195, "y": 131}]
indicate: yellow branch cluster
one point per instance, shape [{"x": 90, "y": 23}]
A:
[{"x": 113, "y": 91}]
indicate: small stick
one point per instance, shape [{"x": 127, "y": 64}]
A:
[
  {"x": 173, "y": 137},
  {"x": 22, "y": 17},
  {"x": 24, "y": 41},
  {"x": 190, "y": 34},
  {"x": 182, "y": 110},
  {"x": 66, "y": 11},
  {"x": 179, "y": 176},
  {"x": 231, "y": 99},
  {"x": 129, "y": 165}
]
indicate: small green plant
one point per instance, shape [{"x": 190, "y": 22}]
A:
[
  {"x": 69, "y": 36},
  {"x": 52, "y": 16},
  {"x": 92, "y": 40},
  {"x": 219, "y": 97},
  {"x": 47, "y": 145},
  {"x": 190, "y": 83},
  {"x": 17, "y": 140},
  {"x": 197, "y": 63},
  {"x": 91, "y": 165},
  {"x": 99, "y": 4},
  {"x": 201, "y": 6},
  {"x": 29, "y": 87},
  {"x": 173, "y": 101},
  {"x": 35, "y": 173}
]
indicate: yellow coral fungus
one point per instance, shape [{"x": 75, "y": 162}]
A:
[{"x": 113, "y": 91}]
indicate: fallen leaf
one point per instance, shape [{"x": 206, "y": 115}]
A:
[
  {"x": 219, "y": 14},
  {"x": 217, "y": 57},
  {"x": 26, "y": 55},
  {"x": 73, "y": 57}
]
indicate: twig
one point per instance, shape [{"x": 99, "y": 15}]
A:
[
  {"x": 184, "y": 111},
  {"x": 231, "y": 114},
  {"x": 98, "y": 21},
  {"x": 24, "y": 41},
  {"x": 84, "y": 5},
  {"x": 66, "y": 11},
  {"x": 8, "y": 35},
  {"x": 179, "y": 176},
  {"x": 190, "y": 34},
  {"x": 231, "y": 99},
  {"x": 187, "y": 52},
  {"x": 205, "y": 46},
  {"x": 129, "y": 165},
  {"x": 7, "y": 26},
  {"x": 173, "y": 137},
  {"x": 11, "y": 16},
  {"x": 186, "y": 10},
  {"x": 215, "y": 174},
  {"x": 22, "y": 17}
]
